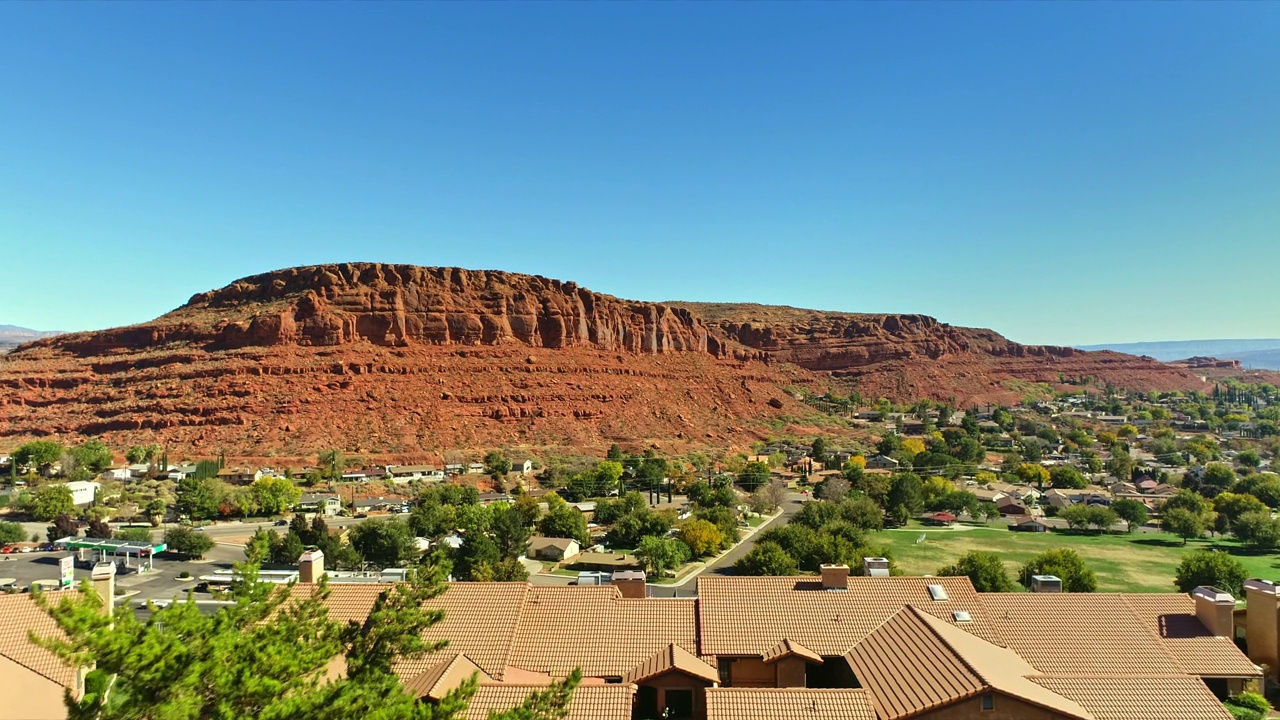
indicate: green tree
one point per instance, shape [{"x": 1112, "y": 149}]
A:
[
  {"x": 1258, "y": 530},
  {"x": 766, "y": 558},
  {"x": 1231, "y": 506},
  {"x": 476, "y": 558},
  {"x": 1121, "y": 465},
  {"x": 274, "y": 495},
  {"x": 984, "y": 569},
  {"x": 564, "y": 522},
  {"x": 1264, "y": 486},
  {"x": 702, "y": 537},
  {"x": 496, "y": 463},
  {"x": 142, "y": 454},
  {"x": 266, "y": 655},
  {"x": 510, "y": 532},
  {"x": 1183, "y": 523},
  {"x": 39, "y": 453},
  {"x": 905, "y": 492},
  {"x": 94, "y": 455},
  {"x": 1064, "y": 563},
  {"x": 207, "y": 469},
  {"x": 384, "y": 543},
  {"x": 1210, "y": 567},
  {"x": 50, "y": 501},
  {"x": 661, "y": 554},
  {"x": 1076, "y": 516},
  {"x": 753, "y": 476},
  {"x": 818, "y": 450},
  {"x": 198, "y": 498},
  {"x": 1067, "y": 477},
  {"x": 1031, "y": 473},
  {"x": 11, "y": 532},
  {"x": 1133, "y": 512},
  {"x": 186, "y": 541},
  {"x": 607, "y": 475},
  {"x": 1219, "y": 475},
  {"x": 615, "y": 453},
  {"x": 63, "y": 526}
]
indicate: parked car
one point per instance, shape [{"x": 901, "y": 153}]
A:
[{"x": 281, "y": 522}]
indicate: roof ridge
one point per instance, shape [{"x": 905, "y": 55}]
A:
[
  {"x": 941, "y": 638},
  {"x": 44, "y": 675},
  {"x": 1124, "y": 600}
]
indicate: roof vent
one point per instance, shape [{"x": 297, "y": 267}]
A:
[
  {"x": 937, "y": 592},
  {"x": 1046, "y": 583},
  {"x": 961, "y": 616},
  {"x": 875, "y": 567}
]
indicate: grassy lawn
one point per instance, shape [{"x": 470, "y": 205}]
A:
[{"x": 1141, "y": 562}]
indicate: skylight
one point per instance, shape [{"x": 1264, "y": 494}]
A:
[
  {"x": 937, "y": 592},
  {"x": 961, "y": 616}
]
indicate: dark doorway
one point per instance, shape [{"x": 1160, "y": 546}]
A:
[{"x": 679, "y": 704}]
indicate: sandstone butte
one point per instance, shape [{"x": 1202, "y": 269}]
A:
[{"x": 388, "y": 359}]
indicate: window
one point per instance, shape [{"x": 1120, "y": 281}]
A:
[
  {"x": 937, "y": 592},
  {"x": 988, "y": 702},
  {"x": 961, "y": 616},
  {"x": 725, "y": 666}
]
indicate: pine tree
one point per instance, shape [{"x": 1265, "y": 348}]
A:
[{"x": 264, "y": 656}]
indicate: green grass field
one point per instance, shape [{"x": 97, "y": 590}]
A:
[{"x": 1141, "y": 562}]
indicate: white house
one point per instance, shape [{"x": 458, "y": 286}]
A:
[
  {"x": 83, "y": 492},
  {"x": 553, "y": 549},
  {"x": 120, "y": 474}
]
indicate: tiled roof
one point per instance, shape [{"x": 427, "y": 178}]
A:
[
  {"x": 913, "y": 645},
  {"x": 595, "y": 628},
  {"x": 787, "y": 648},
  {"x": 18, "y": 614},
  {"x": 673, "y": 658},
  {"x": 1173, "y": 697},
  {"x": 588, "y": 702},
  {"x": 749, "y": 615},
  {"x": 479, "y": 622},
  {"x": 788, "y": 704},
  {"x": 1172, "y": 616},
  {"x": 443, "y": 677},
  {"x": 1078, "y": 634}
]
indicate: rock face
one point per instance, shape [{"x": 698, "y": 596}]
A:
[
  {"x": 405, "y": 305},
  {"x": 398, "y": 359}
]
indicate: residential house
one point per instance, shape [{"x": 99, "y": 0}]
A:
[
  {"x": 117, "y": 474},
  {"x": 181, "y": 472},
  {"x": 881, "y": 462},
  {"x": 522, "y": 464},
  {"x": 378, "y": 504},
  {"x": 238, "y": 476},
  {"x": 405, "y": 473},
  {"x": 553, "y": 549},
  {"x": 318, "y": 503},
  {"x": 454, "y": 468},
  {"x": 83, "y": 492},
  {"x": 475, "y": 468},
  {"x": 1027, "y": 523},
  {"x": 607, "y": 562},
  {"x": 363, "y": 474},
  {"x": 1010, "y": 505}
]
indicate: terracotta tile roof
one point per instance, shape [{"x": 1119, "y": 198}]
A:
[
  {"x": 915, "y": 662},
  {"x": 588, "y": 702},
  {"x": 18, "y": 614},
  {"x": 673, "y": 658},
  {"x": 787, "y": 648},
  {"x": 1172, "y": 616},
  {"x": 788, "y": 704},
  {"x": 1079, "y": 634},
  {"x": 346, "y": 602},
  {"x": 595, "y": 628},
  {"x": 444, "y": 676},
  {"x": 748, "y": 616},
  {"x": 1173, "y": 697},
  {"x": 479, "y": 621}
]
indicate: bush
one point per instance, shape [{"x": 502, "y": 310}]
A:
[
  {"x": 184, "y": 574},
  {"x": 1251, "y": 701},
  {"x": 1210, "y": 567}
]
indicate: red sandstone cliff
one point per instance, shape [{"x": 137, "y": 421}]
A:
[{"x": 397, "y": 358}]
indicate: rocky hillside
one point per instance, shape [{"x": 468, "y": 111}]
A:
[{"x": 397, "y": 358}]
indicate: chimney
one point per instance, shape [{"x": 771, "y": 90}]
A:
[
  {"x": 631, "y": 583},
  {"x": 875, "y": 567},
  {"x": 1262, "y": 633},
  {"x": 311, "y": 566},
  {"x": 103, "y": 577},
  {"x": 1046, "y": 583},
  {"x": 1216, "y": 610},
  {"x": 834, "y": 577}
]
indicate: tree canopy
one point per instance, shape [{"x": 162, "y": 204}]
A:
[
  {"x": 984, "y": 569},
  {"x": 1210, "y": 567},
  {"x": 1064, "y": 563}
]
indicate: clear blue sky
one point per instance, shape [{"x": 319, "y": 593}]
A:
[{"x": 1061, "y": 172}]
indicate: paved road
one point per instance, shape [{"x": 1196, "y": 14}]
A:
[{"x": 723, "y": 565}]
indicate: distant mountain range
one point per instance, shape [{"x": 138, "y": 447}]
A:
[
  {"x": 1261, "y": 354},
  {"x": 11, "y": 336}
]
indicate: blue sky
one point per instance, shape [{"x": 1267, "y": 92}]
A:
[{"x": 1061, "y": 172}]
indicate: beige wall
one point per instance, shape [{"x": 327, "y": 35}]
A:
[
  {"x": 752, "y": 672},
  {"x": 1006, "y": 708},
  {"x": 26, "y": 695},
  {"x": 791, "y": 672}
]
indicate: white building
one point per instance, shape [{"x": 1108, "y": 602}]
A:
[{"x": 83, "y": 492}]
